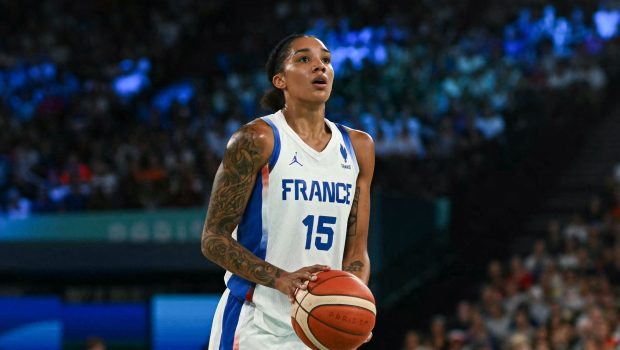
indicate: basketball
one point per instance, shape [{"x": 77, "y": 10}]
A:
[{"x": 336, "y": 312}]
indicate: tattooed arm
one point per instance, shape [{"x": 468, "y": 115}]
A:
[
  {"x": 247, "y": 152},
  {"x": 356, "y": 258}
]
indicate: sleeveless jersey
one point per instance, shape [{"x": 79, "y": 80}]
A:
[{"x": 297, "y": 214}]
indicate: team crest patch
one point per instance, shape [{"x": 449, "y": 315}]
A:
[{"x": 343, "y": 151}]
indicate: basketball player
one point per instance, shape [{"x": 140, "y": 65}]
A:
[{"x": 290, "y": 199}]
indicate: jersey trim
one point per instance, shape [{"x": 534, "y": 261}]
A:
[
  {"x": 229, "y": 322},
  {"x": 276, "y": 143},
  {"x": 348, "y": 144}
]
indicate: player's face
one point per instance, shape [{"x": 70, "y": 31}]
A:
[{"x": 307, "y": 74}]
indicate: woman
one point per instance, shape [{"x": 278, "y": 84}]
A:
[{"x": 290, "y": 199}]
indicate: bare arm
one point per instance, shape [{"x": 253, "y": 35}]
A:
[
  {"x": 356, "y": 258},
  {"x": 246, "y": 153}
]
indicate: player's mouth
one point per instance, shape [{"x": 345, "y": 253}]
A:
[{"x": 320, "y": 82}]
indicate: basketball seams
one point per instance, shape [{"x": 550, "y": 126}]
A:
[
  {"x": 338, "y": 299},
  {"x": 331, "y": 278},
  {"x": 347, "y": 305},
  {"x": 318, "y": 283},
  {"x": 305, "y": 326},
  {"x": 302, "y": 334},
  {"x": 309, "y": 314},
  {"x": 303, "y": 323},
  {"x": 349, "y": 316},
  {"x": 343, "y": 295},
  {"x": 298, "y": 302},
  {"x": 304, "y": 298}
]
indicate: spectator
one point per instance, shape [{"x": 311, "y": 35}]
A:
[
  {"x": 413, "y": 341},
  {"x": 570, "y": 305},
  {"x": 478, "y": 333},
  {"x": 568, "y": 259},
  {"x": 519, "y": 274},
  {"x": 571, "y": 297},
  {"x": 496, "y": 276},
  {"x": 456, "y": 340},
  {"x": 541, "y": 341},
  {"x": 576, "y": 229},
  {"x": 514, "y": 297},
  {"x": 554, "y": 237},
  {"x": 539, "y": 305},
  {"x": 521, "y": 324},
  {"x": 489, "y": 296},
  {"x": 438, "y": 337},
  {"x": 594, "y": 213},
  {"x": 519, "y": 342},
  {"x": 538, "y": 260},
  {"x": 104, "y": 186},
  {"x": 150, "y": 178},
  {"x": 464, "y": 314},
  {"x": 498, "y": 322},
  {"x": 561, "y": 336},
  {"x": 97, "y": 97}
]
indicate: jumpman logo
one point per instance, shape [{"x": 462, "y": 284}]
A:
[{"x": 295, "y": 160}]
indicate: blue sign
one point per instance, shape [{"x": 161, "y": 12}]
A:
[
  {"x": 30, "y": 323},
  {"x": 182, "y": 322}
]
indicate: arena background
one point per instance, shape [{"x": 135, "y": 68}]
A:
[{"x": 496, "y": 201}]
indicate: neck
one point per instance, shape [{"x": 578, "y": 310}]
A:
[{"x": 308, "y": 119}]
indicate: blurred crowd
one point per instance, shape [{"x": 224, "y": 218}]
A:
[
  {"x": 562, "y": 295},
  {"x": 114, "y": 105}
]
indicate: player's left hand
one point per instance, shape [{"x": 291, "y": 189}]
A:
[{"x": 289, "y": 282}]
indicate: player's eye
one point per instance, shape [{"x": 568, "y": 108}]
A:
[
  {"x": 327, "y": 60},
  {"x": 304, "y": 59}
]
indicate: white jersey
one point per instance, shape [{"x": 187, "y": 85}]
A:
[{"x": 297, "y": 214}]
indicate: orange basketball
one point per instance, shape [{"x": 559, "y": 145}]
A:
[{"x": 336, "y": 312}]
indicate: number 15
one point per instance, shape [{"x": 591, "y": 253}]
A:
[{"x": 324, "y": 234}]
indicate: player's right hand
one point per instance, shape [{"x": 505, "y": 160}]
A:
[{"x": 289, "y": 282}]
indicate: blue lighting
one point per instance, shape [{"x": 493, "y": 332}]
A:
[
  {"x": 126, "y": 65},
  {"x": 130, "y": 85},
  {"x": 355, "y": 46},
  {"x": 181, "y": 92},
  {"x": 607, "y": 23},
  {"x": 134, "y": 78}
]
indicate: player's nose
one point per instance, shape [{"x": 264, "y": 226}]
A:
[{"x": 319, "y": 67}]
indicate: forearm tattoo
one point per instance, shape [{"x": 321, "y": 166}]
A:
[
  {"x": 231, "y": 190},
  {"x": 228, "y": 253},
  {"x": 355, "y": 266},
  {"x": 233, "y": 183},
  {"x": 352, "y": 223}
]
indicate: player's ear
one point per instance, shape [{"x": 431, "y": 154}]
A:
[{"x": 279, "y": 81}]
